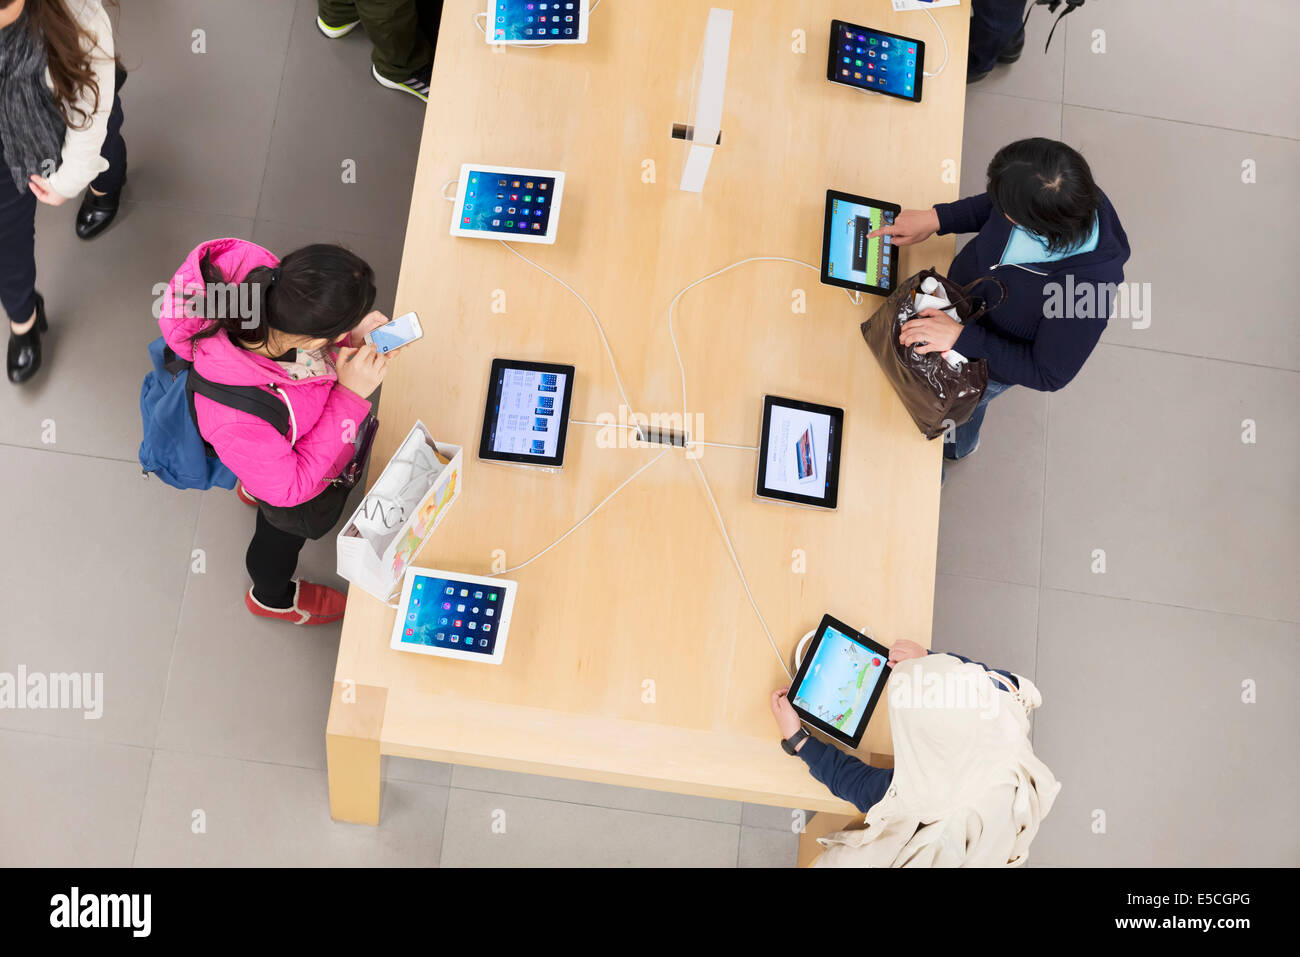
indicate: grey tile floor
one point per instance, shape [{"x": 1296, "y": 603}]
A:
[{"x": 1142, "y": 667}]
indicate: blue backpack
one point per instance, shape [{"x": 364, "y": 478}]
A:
[{"x": 172, "y": 448}]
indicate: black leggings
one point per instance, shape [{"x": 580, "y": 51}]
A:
[
  {"x": 18, "y": 222},
  {"x": 272, "y": 559}
]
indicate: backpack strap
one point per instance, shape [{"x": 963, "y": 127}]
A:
[{"x": 243, "y": 398}]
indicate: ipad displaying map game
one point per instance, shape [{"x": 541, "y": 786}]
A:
[
  {"x": 506, "y": 203},
  {"x": 840, "y": 679}
]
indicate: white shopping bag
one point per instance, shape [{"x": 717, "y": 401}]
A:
[{"x": 400, "y": 512}]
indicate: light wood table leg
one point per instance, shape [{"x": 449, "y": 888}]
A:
[
  {"x": 352, "y": 751},
  {"x": 823, "y": 824}
]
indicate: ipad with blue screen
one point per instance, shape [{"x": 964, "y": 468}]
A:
[
  {"x": 852, "y": 259},
  {"x": 537, "y": 22},
  {"x": 508, "y": 203},
  {"x": 454, "y": 615},
  {"x": 873, "y": 61},
  {"x": 840, "y": 680}
]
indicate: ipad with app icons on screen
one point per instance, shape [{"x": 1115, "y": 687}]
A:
[
  {"x": 537, "y": 22},
  {"x": 454, "y": 615},
  {"x": 507, "y": 203},
  {"x": 872, "y": 61}
]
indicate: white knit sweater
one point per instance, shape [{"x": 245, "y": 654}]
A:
[{"x": 81, "y": 147}]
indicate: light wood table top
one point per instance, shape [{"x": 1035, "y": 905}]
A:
[{"x": 646, "y": 590}]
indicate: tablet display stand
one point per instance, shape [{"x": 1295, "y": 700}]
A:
[{"x": 704, "y": 133}]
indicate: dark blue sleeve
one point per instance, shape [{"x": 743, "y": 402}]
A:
[
  {"x": 1006, "y": 674},
  {"x": 1060, "y": 348},
  {"x": 847, "y": 777},
  {"x": 965, "y": 215}
]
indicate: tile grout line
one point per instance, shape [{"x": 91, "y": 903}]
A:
[
  {"x": 167, "y": 681},
  {"x": 1193, "y": 355},
  {"x": 1042, "y": 543},
  {"x": 1169, "y": 119},
  {"x": 1140, "y": 601},
  {"x": 275, "y": 120}
]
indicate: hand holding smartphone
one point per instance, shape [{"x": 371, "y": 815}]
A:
[{"x": 391, "y": 336}]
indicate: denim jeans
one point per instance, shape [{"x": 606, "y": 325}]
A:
[{"x": 967, "y": 435}]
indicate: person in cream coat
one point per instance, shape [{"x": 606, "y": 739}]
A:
[{"x": 60, "y": 138}]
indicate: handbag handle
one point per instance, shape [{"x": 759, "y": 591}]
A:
[{"x": 966, "y": 292}]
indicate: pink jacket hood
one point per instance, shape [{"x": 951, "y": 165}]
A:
[{"x": 325, "y": 416}]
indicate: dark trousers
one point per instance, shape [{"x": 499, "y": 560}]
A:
[
  {"x": 402, "y": 32},
  {"x": 18, "y": 223},
  {"x": 993, "y": 25},
  {"x": 271, "y": 560}
]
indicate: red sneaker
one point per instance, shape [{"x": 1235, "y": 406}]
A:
[
  {"x": 312, "y": 605},
  {"x": 243, "y": 496}
]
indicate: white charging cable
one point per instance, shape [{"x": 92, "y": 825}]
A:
[
  {"x": 591, "y": 312},
  {"x": 740, "y": 571},
  {"x": 945, "y": 44},
  {"x": 582, "y": 521},
  {"x": 854, "y": 297}
]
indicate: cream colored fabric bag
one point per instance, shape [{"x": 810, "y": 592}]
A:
[{"x": 968, "y": 790}]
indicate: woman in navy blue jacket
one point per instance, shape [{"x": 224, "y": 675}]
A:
[{"x": 1052, "y": 237}]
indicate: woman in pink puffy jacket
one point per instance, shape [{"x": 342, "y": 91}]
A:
[{"x": 295, "y": 328}]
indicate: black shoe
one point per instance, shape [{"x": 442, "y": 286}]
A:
[
  {"x": 976, "y": 77},
  {"x": 1011, "y": 52},
  {"x": 97, "y": 212},
  {"x": 25, "y": 350}
]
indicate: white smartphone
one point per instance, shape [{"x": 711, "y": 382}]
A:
[{"x": 402, "y": 331}]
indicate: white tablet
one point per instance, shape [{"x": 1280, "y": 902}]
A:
[
  {"x": 502, "y": 202},
  {"x": 537, "y": 22},
  {"x": 453, "y": 615}
]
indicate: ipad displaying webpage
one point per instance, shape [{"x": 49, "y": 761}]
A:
[
  {"x": 534, "y": 20},
  {"x": 840, "y": 681},
  {"x": 850, "y": 255},
  {"x": 528, "y": 411},
  {"x": 512, "y": 203},
  {"x": 798, "y": 452},
  {"x": 444, "y": 613}
]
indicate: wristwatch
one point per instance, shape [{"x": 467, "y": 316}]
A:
[{"x": 789, "y": 744}]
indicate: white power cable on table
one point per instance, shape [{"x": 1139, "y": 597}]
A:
[
  {"x": 945, "y": 44},
  {"x": 591, "y": 312},
  {"x": 627, "y": 481}
]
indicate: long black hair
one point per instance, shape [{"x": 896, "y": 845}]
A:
[
  {"x": 321, "y": 291},
  {"x": 1046, "y": 187}
]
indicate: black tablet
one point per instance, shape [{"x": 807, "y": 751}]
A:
[
  {"x": 840, "y": 679},
  {"x": 849, "y": 258},
  {"x": 874, "y": 61},
  {"x": 526, "y": 419},
  {"x": 799, "y": 452}
]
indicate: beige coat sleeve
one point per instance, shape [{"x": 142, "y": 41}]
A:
[{"x": 81, "y": 147}]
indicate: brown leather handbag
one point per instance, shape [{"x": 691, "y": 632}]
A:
[{"x": 935, "y": 394}]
